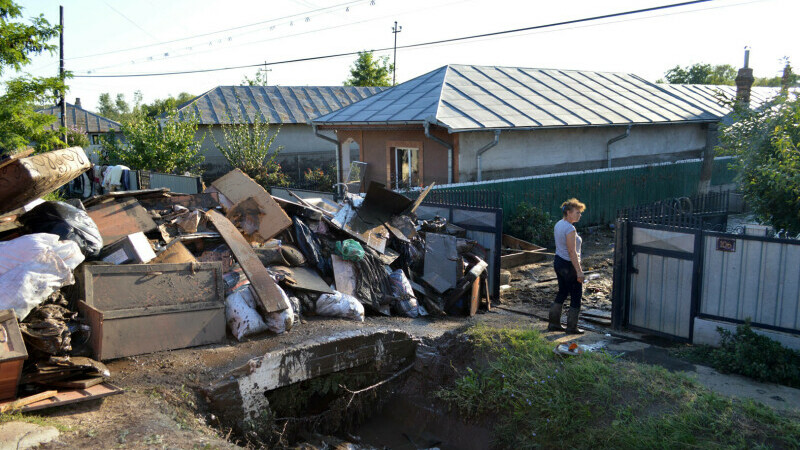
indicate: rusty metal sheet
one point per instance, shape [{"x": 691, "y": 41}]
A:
[
  {"x": 72, "y": 396},
  {"x": 115, "y": 220},
  {"x": 26, "y": 179},
  {"x": 267, "y": 293}
]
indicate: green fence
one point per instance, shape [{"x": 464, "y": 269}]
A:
[{"x": 604, "y": 191}]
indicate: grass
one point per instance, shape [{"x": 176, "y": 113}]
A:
[
  {"x": 536, "y": 399},
  {"x": 34, "y": 419}
]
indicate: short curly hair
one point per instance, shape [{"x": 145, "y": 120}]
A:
[{"x": 571, "y": 204}]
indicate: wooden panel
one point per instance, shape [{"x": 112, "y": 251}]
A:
[
  {"x": 27, "y": 179},
  {"x": 73, "y": 396},
  {"x": 175, "y": 252},
  {"x": 12, "y": 354},
  {"x": 115, "y": 220},
  {"x": 203, "y": 201},
  {"x": 267, "y": 293},
  {"x": 236, "y": 186}
]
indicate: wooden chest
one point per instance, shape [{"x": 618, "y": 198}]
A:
[
  {"x": 12, "y": 354},
  {"x": 135, "y": 309}
]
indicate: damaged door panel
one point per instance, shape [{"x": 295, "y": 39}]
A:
[{"x": 118, "y": 219}]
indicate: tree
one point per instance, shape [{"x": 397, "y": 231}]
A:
[
  {"x": 765, "y": 142},
  {"x": 160, "y": 106},
  {"x": 249, "y": 147},
  {"x": 701, "y": 74},
  {"x": 166, "y": 145},
  {"x": 20, "y": 124},
  {"x": 120, "y": 109},
  {"x": 259, "y": 80},
  {"x": 370, "y": 71}
]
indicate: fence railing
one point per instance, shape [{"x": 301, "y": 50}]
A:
[{"x": 708, "y": 212}]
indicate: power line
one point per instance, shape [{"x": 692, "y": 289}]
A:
[
  {"x": 131, "y": 21},
  {"x": 421, "y": 44}
]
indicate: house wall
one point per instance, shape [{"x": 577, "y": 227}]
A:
[
  {"x": 376, "y": 147},
  {"x": 301, "y": 149},
  {"x": 533, "y": 152}
]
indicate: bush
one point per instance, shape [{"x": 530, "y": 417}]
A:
[
  {"x": 319, "y": 180},
  {"x": 533, "y": 225}
]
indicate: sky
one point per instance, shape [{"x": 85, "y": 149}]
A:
[{"x": 104, "y": 37}]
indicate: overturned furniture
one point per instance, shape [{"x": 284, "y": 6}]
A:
[{"x": 145, "y": 308}]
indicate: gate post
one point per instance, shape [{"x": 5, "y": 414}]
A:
[{"x": 619, "y": 291}]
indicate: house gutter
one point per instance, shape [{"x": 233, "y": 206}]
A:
[
  {"x": 608, "y": 144},
  {"x": 446, "y": 145},
  {"x": 339, "y": 174},
  {"x": 486, "y": 148}
]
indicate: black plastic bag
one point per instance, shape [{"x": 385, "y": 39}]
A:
[
  {"x": 310, "y": 247},
  {"x": 66, "y": 221}
]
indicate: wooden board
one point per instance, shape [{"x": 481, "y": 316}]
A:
[
  {"x": 527, "y": 253},
  {"x": 144, "y": 193},
  {"x": 201, "y": 201},
  {"x": 267, "y": 293},
  {"x": 115, "y": 220},
  {"x": 175, "y": 252},
  {"x": 72, "y": 396},
  {"x": 236, "y": 186},
  {"x": 26, "y": 179},
  {"x": 474, "y": 298},
  {"x": 12, "y": 354},
  {"x": 344, "y": 274},
  {"x": 304, "y": 278}
]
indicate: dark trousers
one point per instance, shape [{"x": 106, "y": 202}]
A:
[{"x": 568, "y": 283}]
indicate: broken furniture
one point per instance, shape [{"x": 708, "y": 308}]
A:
[
  {"x": 517, "y": 252},
  {"x": 12, "y": 354},
  {"x": 145, "y": 308},
  {"x": 117, "y": 219}
]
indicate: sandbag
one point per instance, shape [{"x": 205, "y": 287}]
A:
[
  {"x": 67, "y": 222},
  {"x": 241, "y": 314},
  {"x": 281, "y": 321},
  {"x": 340, "y": 305},
  {"x": 34, "y": 266}
]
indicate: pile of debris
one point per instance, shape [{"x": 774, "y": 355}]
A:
[{"x": 134, "y": 272}]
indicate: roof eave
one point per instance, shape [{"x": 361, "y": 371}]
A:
[{"x": 553, "y": 127}]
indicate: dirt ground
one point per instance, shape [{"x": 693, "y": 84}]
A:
[{"x": 163, "y": 405}]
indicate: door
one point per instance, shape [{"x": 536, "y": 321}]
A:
[
  {"x": 663, "y": 281},
  {"x": 405, "y": 168}
]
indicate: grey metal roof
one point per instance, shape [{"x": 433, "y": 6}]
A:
[
  {"x": 278, "y": 104},
  {"x": 80, "y": 118},
  {"x": 464, "y": 98}
]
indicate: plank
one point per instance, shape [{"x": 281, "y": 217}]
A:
[
  {"x": 175, "y": 252},
  {"x": 97, "y": 199},
  {"x": 267, "y": 293},
  {"x": 344, "y": 275},
  {"x": 200, "y": 201},
  {"x": 115, "y": 220},
  {"x": 236, "y": 186},
  {"x": 72, "y": 396},
  {"x": 304, "y": 278},
  {"x": 18, "y": 404}
]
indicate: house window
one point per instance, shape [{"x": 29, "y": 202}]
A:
[
  {"x": 406, "y": 167},
  {"x": 95, "y": 139}
]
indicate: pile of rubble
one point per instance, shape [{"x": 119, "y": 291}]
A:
[{"x": 134, "y": 272}]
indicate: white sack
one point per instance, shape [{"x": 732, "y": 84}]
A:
[
  {"x": 281, "y": 321},
  {"x": 241, "y": 314},
  {"x": 340, "y": 305},
  {"x": 34, "y": 266}
]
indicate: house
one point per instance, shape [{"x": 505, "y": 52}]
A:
[
  {"x": 291, "y": 107},
  {"x": 463, "y": 123},
  {"x": 89, "y": 123}
]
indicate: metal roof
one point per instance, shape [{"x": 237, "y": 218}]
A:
[
  {"x": 465, "y": 98},
  {"x": 278, "y": 104},
  {"x": 80, "y": 118}
]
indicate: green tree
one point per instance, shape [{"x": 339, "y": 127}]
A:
[
  {"x": 259, "y": 80},
  {"x": 161, "y": 145},
  {"x": 701, "y": 74},
  {"x": 249, "y": 147},
  {"x": 370, "y": 71},
  {"x": 20, "y": 124},
  {"x": 765, "y": 142},
  {"x": 161, "y": 106}
]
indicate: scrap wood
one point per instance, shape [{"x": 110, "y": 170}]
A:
[
  {"x": 67, "y": 397},
  {"x": 309, "y": 205},
  {"x": 303, "y": 278},
  {"x": 421, "y": 198},
  {"x": 118, "y": 219},
  {"x": 204, "y": 201},
  {"x": 175, "y": 252},
  {"x": 296, "y": 209},
  {"x": 17, "y": 404},
  {"x": 102, "y": 198},
  {"x": 344, "y": 275},
  {"x": 16, "y": 156},
  {"x": 267, "y": 292},
  {"x": 237, "y": 186}
]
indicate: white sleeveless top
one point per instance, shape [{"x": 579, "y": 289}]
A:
[{"x": 560, "y": 231}]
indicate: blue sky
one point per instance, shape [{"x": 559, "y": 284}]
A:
[{"x": 101, "y": 36}]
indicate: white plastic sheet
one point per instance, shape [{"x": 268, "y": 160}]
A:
[
  {"x": 340, "y": 305},
  {"x": 34, "y": 266}
]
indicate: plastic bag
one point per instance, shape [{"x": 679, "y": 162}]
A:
[
  {"x": 310, "y": 246},
  {"x": 340, "y": 305},
  {"x": 350, "y": 250},
  {"x": 281, "y": 321},
  {"x": 67, "y": 222},
  {"x": 34, "y": 266},
  {"x": 241, "y": 314},
  {"x": 405, "y": 300}
]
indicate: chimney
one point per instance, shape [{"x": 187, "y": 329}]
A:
[
  {"x": 744, "y": 81},
  {"x": 77, "y": 102}
]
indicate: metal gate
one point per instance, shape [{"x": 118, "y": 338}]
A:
[{"x": 662, "y": 279}]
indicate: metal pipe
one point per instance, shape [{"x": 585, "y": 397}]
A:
[
  {"x": 446, "y": 145},
  {"x": 486, "y": 148},
  {"x": 615, "y": 139}
]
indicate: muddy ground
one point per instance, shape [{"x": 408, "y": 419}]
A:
[{"x": 163, "y": 405}]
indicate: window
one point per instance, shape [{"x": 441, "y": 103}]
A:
[
  {"x": 406, "y": 167},
  {"x": 95, "y": 139}
]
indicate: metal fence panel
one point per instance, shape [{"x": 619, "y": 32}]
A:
[
  {"x": 747, "y": 277},
  {"x": 176, "y": 183},
  {"x": 661, "y": 295}
]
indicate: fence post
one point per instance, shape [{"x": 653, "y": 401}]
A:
[{"x": 619, "y": 292}]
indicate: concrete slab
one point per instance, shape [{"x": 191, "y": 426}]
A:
[
  {"x": 705, "y": 332},
  {"x": 22, "y": 435},
  {"x": 774, "y": 395}
]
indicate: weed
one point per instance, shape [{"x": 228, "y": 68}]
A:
[
  {"x": 36, "y": 420},
  {"x": 532, "y": 224}
]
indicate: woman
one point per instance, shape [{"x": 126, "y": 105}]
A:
[{"x": 567, "y": 264}]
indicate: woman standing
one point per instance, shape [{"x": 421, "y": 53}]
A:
[{"x": 567, "y": 264}]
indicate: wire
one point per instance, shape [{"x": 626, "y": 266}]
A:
[
  {"x": 131, "y": 21},
  {"x": 421, "y": 44}
]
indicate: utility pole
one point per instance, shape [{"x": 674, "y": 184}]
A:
[
  {"x": 266, "y": 83},
  {"x": 61, "y": 73},
  {"x": 395, "y": 30}
]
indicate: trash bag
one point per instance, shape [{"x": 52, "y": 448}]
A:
[
  {"x": 241, "y": 314},
  {"x": 340, "y": 305},
  {"x": 373, "y": 286},
  {"x": 350, "y": 250},
  {"x": 281, "y": 321},
  {"x": 405, "y": 302},
  {"x": 34, "y": 266},
  {"x": 310, "y": 246},
  {"x": 67, "y": 222}
]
